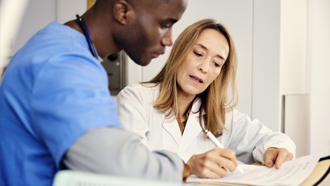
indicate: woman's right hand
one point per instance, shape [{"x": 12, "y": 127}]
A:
[{"x": 212, "y": 164}]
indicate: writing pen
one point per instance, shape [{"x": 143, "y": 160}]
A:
[{"x": 217, "y": 143}]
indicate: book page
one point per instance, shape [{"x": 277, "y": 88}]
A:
[{"x": 290, "y": 173}]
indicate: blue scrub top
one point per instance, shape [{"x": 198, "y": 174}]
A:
[{"x": 53, "y": 91}]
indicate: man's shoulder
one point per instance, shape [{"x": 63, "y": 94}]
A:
[
  {"x": 58, "y": 35},
  {"x": 59, "y": 29},
  {"x": 55, "y": 43}
]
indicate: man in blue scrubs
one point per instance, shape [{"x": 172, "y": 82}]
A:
[{"x": 56, "y": 111}]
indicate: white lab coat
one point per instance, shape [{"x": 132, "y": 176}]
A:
[{"x": 249, "y": 139}]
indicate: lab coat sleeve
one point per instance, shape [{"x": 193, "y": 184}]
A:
[
  {"x": 118, "y": 151},
  {"x": 248, "y": 136},
  {"x": 132, "y": 111}
]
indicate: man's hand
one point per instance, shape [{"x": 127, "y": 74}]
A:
[
  {"x": 213, "y": 164},
  {"x": 276, "y": 156}
]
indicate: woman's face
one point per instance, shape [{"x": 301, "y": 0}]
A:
[{"x": 203, "y": 63}]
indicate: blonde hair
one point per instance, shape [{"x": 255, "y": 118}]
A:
[{"x": 214, "y": 100}]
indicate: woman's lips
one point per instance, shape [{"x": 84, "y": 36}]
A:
[{"x": 196, "y": 79}]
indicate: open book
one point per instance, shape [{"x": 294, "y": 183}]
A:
[{"x": 307, "y": 170}]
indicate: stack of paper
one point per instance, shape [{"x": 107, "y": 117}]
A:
[{"x": 290, "y": 173}]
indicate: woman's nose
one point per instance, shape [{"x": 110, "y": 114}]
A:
[{"x": 204, "y": 66}]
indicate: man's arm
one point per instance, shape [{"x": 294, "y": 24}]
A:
[{"x": 117, "y": 151}]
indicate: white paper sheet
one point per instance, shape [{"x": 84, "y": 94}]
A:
[{"x": 290, "y": 173}]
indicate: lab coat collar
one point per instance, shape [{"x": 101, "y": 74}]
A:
[
  {"x": 172, "y": 127},
  {"x": 192, "y": 129},
  {"x": 191, "y": 132}
]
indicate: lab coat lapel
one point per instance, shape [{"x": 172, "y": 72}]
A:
[
  {"x": 172, "y": 127},
  {"x": 192, "y": 129}
]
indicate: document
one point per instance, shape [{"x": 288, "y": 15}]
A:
[{"x": 290, "y": 173}]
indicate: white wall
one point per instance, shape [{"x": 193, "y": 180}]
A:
[
  {"x": 293, "y": 72},
  {"x": 297, "y": 122},
  {"x": 319, "y": 72},
  {"x": 305, "y": 64},
  {"x": 266, "y": 60},
  {"x": 11, "y": 13},
  {"x": 67, "y": 10}
]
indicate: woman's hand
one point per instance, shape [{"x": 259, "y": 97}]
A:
[
  {"x": 212, "y": 164},
  {"x": 186, "y": 172},
  {"x": 276, "y": 156}
]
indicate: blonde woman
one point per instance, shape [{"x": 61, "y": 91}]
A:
[{"x": 189, "y": 95}]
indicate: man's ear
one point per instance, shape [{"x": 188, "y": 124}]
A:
[{"x": 123, "y": 12}]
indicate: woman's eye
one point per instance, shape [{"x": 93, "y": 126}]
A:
[
  {"x": 198, "y": 54},
  {"x": 217, "y": 64}
]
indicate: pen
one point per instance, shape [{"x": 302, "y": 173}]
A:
[{"x": 217, "y": 143}]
